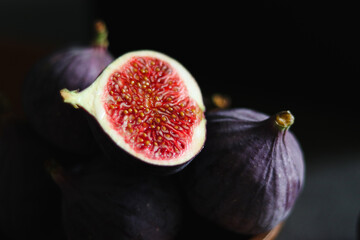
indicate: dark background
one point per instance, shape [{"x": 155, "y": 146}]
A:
[{"x": 301, "y": 56}]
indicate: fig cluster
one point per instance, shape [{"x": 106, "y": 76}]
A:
[{"x": 57, "y": 182}]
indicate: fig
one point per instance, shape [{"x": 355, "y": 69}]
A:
[
  {"x": 148, "y": 111},
  {"x": 74, "y": 67},
  {"x": 250, "y": 172},
  {"x": 102, "y": 202},
  {"x": 30, "y": 202}
]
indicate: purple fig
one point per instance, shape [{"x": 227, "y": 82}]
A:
[
  {"x": 250, "y": 172},
  {"x": 30, "y": 202},
  {"x": 74, "y": 68},
  {"x": 100, "y": 202}
]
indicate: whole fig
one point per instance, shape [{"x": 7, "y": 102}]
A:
[
  {"x": 75, "y": 68},
  {"x": 101, "y": 202},
  {"x": 250, "y": 172},
  {"x": 30, "y": 202}
]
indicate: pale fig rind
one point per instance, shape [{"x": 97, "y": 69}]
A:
[
  {"x": 249, "y": 174},
  {"x": 93, "y": 99}
]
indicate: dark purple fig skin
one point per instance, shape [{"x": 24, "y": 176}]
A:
[
  {"x": 102, "y": 202},
  {"x": 249, "y": 174},
  {"x": 198, "y": 227},
  {"x": 30, "y": 202},
  {"x": 73, "y": 68}
]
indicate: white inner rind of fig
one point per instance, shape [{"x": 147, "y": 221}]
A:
[{"x": 98, "y": 97}]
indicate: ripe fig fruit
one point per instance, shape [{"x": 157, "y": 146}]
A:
[
  {"x": 250, "y": 172},
  {"x": 102, "y": 202},
  {"x": 74, "y": 68},
  {"x": 30, "y": 202},
  {"x": 148, "y": 106}
]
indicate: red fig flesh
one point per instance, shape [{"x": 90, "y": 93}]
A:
[
  {"x": 149, "y": 105},
  {"x": 250, "y": 172},
  {"x": 74, "y": 68}
]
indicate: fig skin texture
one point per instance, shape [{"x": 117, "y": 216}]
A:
[
  {"x": 30, "y": 202},
  {"x": 74, "y": 67},
  {"x": 102, "y": 202},
  {"x": 250, "y": 172}
]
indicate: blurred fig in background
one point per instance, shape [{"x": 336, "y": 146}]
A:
[
  {"x": 102, "y": 202},
  {"x": 75, "y": 68}
]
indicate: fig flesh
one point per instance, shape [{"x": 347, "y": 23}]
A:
[
  {"x": 74, "y": 68},
  {"x": 30, "y": 202},
  {"x": 250, "y": 172},
  {"x": 102, "y": 202},
  {"x": 149, "y": 107}
]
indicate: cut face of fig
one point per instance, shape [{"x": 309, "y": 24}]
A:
[
  {"x": 149, "y": 105},
  {"x": 250, "y": 172}
]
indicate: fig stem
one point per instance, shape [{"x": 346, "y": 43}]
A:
[
  {"x": 101, "y": 34},
  {"x": 69, "y": 96},
  {"x": 284, "y": 119},
  {"x": 221, "y": 101}
]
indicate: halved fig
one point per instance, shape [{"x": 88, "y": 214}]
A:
[{"x": 149, "y": 105}]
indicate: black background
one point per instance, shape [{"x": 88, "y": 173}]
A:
[
  {"x": 301, "y": 56},
  {"x": 269, "y": 55}
]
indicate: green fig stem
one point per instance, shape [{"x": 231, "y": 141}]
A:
[
  {"x": 221, "y": 101},
  {"x": 284, "y": 119},
  {"x": 69, "y": 96},
  {"x": 101, "y": 34}
]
